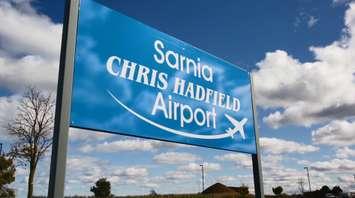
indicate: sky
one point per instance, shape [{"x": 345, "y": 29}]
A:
[{"x": 301, "y": 54}]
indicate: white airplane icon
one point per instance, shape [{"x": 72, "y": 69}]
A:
[{"x": 238, "y": 126}]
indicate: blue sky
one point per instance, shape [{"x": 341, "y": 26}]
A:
[{"x": 300, "y": 52}]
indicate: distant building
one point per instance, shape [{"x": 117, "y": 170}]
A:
[
  {"x": 219, "y": 188},
  {"x": 241, "y": 189}
]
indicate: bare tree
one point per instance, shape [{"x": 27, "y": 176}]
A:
[
  {"x": 32, "y": 127},
  {"x": 301, "y": 185}
]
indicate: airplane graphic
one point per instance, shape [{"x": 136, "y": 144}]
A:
[{"x": 238, "y": 126}]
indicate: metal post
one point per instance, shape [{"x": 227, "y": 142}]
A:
[
  {"x": 202, "y": 177},
  {"x": 62, "y": 112},
  {"x": 309, "y": 181},
  {"x": 257, "y": 169}
]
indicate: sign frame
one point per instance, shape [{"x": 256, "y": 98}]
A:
[
  {"x": 63, "y": 108},
  {"x": 62, "y": 112}
]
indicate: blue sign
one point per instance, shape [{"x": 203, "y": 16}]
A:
[{"x": 134, "y": 80}]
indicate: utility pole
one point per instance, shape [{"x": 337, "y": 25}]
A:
[
  {"x": 309, "y": 181},
  {"x": 0, "y": 148},
  {"x": 202, "y": 177}
]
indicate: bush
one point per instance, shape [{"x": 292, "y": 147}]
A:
[
  {"x": 336, "y": 190},
  {"x": 7, "y": 176},
  {"x": 102, "y": 188},
  {"x": 278, "y": 190}
]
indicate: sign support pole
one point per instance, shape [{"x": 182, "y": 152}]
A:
[
  {"x": 62, "y": 111},
  {"x": 257, "y": 169}
]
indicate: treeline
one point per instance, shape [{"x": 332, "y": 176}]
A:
[{"x": 223, "y": 195}]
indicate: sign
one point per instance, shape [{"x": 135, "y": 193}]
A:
[{"x": 134, "y": 80}]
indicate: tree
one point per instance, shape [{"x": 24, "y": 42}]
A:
[
  {"x": 32, "y": 127},
  {"x": 278, "y": 190},
  {"x": 301, "y": 185},
  {"x": 243, "y": 190},
  {"x": 7, "y": 176},
  {"x": 336, "y": 190},
  {"x": 324, "y": 190},
  {"x": 153, "y": 193},
  {"x": 102, "y": 188}
]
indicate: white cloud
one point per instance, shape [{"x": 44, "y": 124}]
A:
[
  {"x": 347, "y": 182},
  {"x": 312, "y": 21},
  {"x": 88, "y": 148},
  {"x": 177, "y": 175},
  {"x": 27, "y": 60},
  {"x": 194, "y": 167},
  {"x": 45, "y": 35},
  {"x": 311, "y": 92},
  {"x": 274, "y": 172},
  {"x": 279, "y": 146},
  {"x": 132, "y": 172},
  {"x": 8, "y": 108},
  {"x": 84, "y": 171},
  {"x": 345, "y": 152},
  {"x": 271, "y": 162},
  {"x": 226, "y": 179},
  {"x": 125, "y": 145},
  {"x": 341, "y": 1},
  {"x": 346, "y": 178},
  {"x": 7, "y": 112},
  {"x": 175, "y": 158},
  {"x": 303, "y": 162},
  {"x": 336, "y": 133},
  {"x": 334, "y": 165},
  {"x": 238, "y": 159},
  {"x": 84, "y": 135},
  {"x": 40, "y": 180}
]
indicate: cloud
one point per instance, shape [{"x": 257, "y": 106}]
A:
[
  {"x": 312, "y": 21},
  {"x": 347, "y": 182},
  {"x": 45, "y": 35},
  {"x": 226, "y": 179},
  {"x": 336, "y": 133},
  {"x": 238, "y": 159},
  {"x": 337, "y": 2},
  {"x": 175, "y": 158},
  {"x": 274, "y": 172},
  {"x": 271, "y": 162},
  {"x": 304, "y": 18},
  {"x": 177, "y": 175},
  {"x": 345, "y": 152},
  {"x": 303, "y": 162},
  {"x": 7, "y": 112},
  {"x": 348, "y": 178},
  {"x": 25, "y": 59},
  {"x": 334, "y": 165},
  {"x": 126, "y": 145},
  {"x": 84, "y": 135},
  {"x": 194, "y": 167},
  {"x": 132, "y": 172},
  {"x": 279, "y": 146},
  {"x": 310, "y": 92},
  {"x": 84, "y": 170}
]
